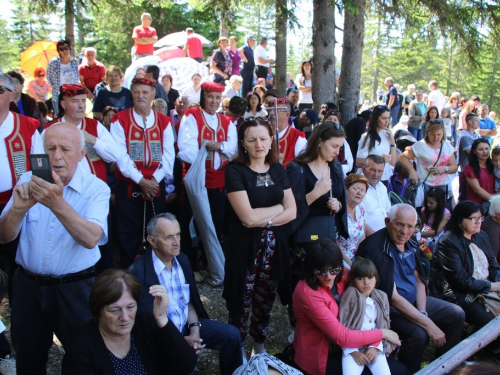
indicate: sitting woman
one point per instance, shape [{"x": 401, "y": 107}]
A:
[
  {"x": 319, "y": 335},
  {"x": 120, "y": 341},
  {"x": 254, "y": 108},
  {"x": 468, "y": 263},
  {"x": 479, "y": 172}
]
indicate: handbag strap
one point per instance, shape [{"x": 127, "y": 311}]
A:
[{"x": 437, "y": 160}]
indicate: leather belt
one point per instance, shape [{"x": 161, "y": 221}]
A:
[{"x": 57, "y": 280}]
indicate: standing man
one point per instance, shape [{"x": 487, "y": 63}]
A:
[
  {"x": 91, "y": 73},
  {"x": 61, "y": 225},
  {"x": 248, "y": 66},
  {"x": 60, "y": 70},
  {"x": 193, "y": 47},
  {"x": 199, "y": 125},
  {"x": 391, "y": 99},
  {"x": 262, "y": 60},
  {"x": 415, "y": 316},
  {"x": 22, "y": 103},
  {"x": 145, "y": 139},
  {"x": 436, "y": 97},
  {"x": 144, "y": 37},
  {"x": 409, "y": 97},
  {"x": 487, "y": 127}
]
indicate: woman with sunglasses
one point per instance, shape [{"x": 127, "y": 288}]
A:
[
  {"x": 378, "y": 140},
  {"x": 39, "y": 88},
  {"x": 319, "y": 335}
]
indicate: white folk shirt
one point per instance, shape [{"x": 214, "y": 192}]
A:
[
  {"x": 377, "y": 206},
  {"x": 188, "y": 139},
  {"x": 105, "y": 146},
  {"x": 300, "y": 145},
  {"x": 127, "y": 166},
  {"x": 6, "y": 129},
  {"x": 45, "y": 246}
]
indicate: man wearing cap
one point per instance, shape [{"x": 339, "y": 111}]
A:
[
  {"x": 145, "y": 140},
  {"x": 262, "y": 60},
  {"x": 193, "y": 47},
  {"x": 197, "y": 126},
  {"x": 18, "y": 139},
  {"x": 292, "y": 140},
  {"x": 144, "y": 37}
]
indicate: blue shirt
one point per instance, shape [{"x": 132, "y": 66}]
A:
[
  {"x": 488, "y": 124},
  {"x": 21, "y": 109},
  {"x": 404, "y": 272},
  {"x": 387, "y": 96},
  {"x": 250, "y": 64}
]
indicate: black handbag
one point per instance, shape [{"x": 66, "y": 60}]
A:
[{"x": 316, "y": 227}]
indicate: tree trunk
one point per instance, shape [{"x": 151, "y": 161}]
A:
[
  {"x": 352, "y": 54},
  {"x": 376, "y": 64},
  {"x": 323, "y": 41},
  {"x": 79, "y": 27},
  {"x": 223, "y": 31},
  {"x": 450, "y": 61},
  {"x": 69, "y": 16},
  {"x": 281, "y": 26}
]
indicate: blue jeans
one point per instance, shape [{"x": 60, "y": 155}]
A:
[
  {"x": 394, "y": 114},
  {"x": 417, "y": 133}
]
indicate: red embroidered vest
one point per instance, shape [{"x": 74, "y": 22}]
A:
[
  {"x": 96, "y": 164},
  {"x": 141, "y": 141},
  {"x": 215, "y": 178},
  {"x": 287, "y": 145},
  {"x": 18, "y": 144}
]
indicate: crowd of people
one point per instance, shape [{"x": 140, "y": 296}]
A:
[{"x": 352, "y": 223}]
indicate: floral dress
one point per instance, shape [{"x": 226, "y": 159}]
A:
[{"x": 356, "y": 228}]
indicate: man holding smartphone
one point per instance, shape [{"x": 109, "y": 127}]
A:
[
  {"x": 60, "y": 227},
  {"x": 18, "y": 139}
]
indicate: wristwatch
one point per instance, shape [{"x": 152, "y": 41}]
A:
[
  {"x": 424, "y": 312},
  {"x": 269, "y": 224},
  {"x": 221, "y": 147},
  {"x": 195, "y": 324},
  {"x": 393, "y": 145}
]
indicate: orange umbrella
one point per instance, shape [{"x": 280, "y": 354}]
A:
[{"x": 38, "y": 55}]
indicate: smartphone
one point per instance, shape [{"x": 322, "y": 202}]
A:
[{"x": 40, "y": 167}]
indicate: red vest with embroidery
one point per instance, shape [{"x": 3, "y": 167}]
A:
[
  {"x": 18, "y": 144},
  {"x": 215, "y": 178},
  {"x": 140, "y": 140},
  {"x": 96, "y": 164},
  {"x": 287, "y": 145}
]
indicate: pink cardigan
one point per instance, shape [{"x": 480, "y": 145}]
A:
[{"x": 317, "y": 314}]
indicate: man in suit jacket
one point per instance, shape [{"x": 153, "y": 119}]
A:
[
  {"x": 416, "y": 113},
  {"x": 167, "y": 266}
]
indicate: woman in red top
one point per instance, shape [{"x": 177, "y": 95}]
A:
[
  {"x": 315, "y": 304},
  {"x": 479, "y": 172}
]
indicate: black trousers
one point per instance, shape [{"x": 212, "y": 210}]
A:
[
  {"x": 10, "y": 250},
  {"x": 261, "y": 71},
  {"x": 247, "y": 86},
  {"x": 106, "y": 250},
  {"x": 130, "y": 222}
]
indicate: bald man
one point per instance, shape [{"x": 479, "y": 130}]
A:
[{"x": 61, "y": 225}]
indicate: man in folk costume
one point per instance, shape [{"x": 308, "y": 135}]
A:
[
  {"x": 18, "y": 139},
  {"x": 100, "y": 145},
  {"x": 197, "y": 126},
  {"x": 145, "y": 139},
  {"x": 292, "y": 140}
]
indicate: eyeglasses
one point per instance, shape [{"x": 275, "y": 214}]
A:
[
  {"x": 357, "y": 190},
  {"x": 41, "y": 75},
  {"x": 3, "y": 89},
  {"x": 331, "y": 271},
  {"x": 65, "y": 48},
  {"x": 476, "y": 220}
]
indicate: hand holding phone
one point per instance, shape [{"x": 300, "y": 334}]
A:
[{"x": 40, "y": 167}]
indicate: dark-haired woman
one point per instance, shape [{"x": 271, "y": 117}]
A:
[
  {"x": 257, "y": 256},
  {"x": 431, "y": 114},
  {"x": 254, "y": 108},
  {"x": 468, "y": 263},
  {"x": 479, "y": 172},
  {"x": 315, "y": 304},
  {"x": 172, "y": 93},
  {"x": 304, "y": 85},
  {"x": 120, "y": 341},
  {"x": 221, "y": 64},
  {"x": 378, "y": 140}
]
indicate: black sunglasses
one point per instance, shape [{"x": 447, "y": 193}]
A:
[
  {"x": 41, "y": 75},
  {"x": 332, "y": 271},
  {"x": 3, "y": 89},
  {"x": 256, "y": 119},
  {"x": 65, "y": 48}
]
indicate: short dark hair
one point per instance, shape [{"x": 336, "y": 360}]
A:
[
  {"x": 495, "y": 151},
  {"x": 362, "y": 267},
  {"x": 16, "y": 75},
  {"x": 42, "y": 107},
  {"x": 62, "y": 42},
  {"x": 461, "y": 211},
  {"x": 242, "y": 157},
  {"x": 321, "y": 254},
  {"x": 323, "y": 132},
  {"x": 475, "y": 97},
  {"x": 154, "y": 70},
  {"x": 469, "y": 117},
  {"x": 109, "y": 287}
]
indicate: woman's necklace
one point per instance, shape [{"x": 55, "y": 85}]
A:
[
  {"x": 110, "y": 346},
  {"x": 262, "y": 179},
  {"x": 318, "y": 170}
]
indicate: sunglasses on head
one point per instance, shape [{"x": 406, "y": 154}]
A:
[
  {"x": 3, "y": 89},
  {"x": 256, "y": 119},
  {"x": 331, "y": 271},
  {"x": 65, "y": 48}
]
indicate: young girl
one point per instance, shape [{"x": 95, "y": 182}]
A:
[
  {"x": 434, "y": 214},
  {"x": 446, "y": 116},
  {"x": 363, "y": 307},
  {"x": 495, "y": 159}
]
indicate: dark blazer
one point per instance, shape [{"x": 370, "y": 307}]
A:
[
  {"x": 376, "y": 248},
  {"x": 144, "y": 270},
  {"x": 30, "y": 107},
  {"x": 162, "y": 350}
]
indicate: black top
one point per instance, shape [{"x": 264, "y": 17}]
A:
[
  {"x": 131, "y": 364},
  {"x": 250, "y": 64},
  {"x": 120, "y": 100},
  {"x": 318, "y": 207},
  {"x": 173, "y": 94}
]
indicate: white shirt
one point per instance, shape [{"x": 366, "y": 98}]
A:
[
  {"x": 260, "y": 52},
  {"x": 300, "y": 145},
  {"x": 377, "y": 206},
  {"x": 192, "y": 95},
  {"x": 6, "y": 129},
  {"x": 105, "y": 146},
  {"x": 188, "y": 139},
  {"x": 45, "y": 246},
  {"x": 384, "y": 147},
  {"x": 346, "y": 168},
  {"x": 437, "y": 99},
  {"x": 261, "y": 113},
  {"x": 304, "y": 97},
  {"x": 127, "y": 166}
]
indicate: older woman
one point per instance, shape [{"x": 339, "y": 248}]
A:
[
  {"x": 120, "y": 341},
  {"x": 234, "y": 87},
  {"x": 356, "y": 187},
  {"x": 257, "y": 256},
  {"x": 469, "y": 265},
  {"x": 479, "y": 172},
  {"x": 378, "y": 140},
  {"x": 221, "y": 64},
  {"x": 431, "y": 114},
  {"x": 113, "y": 94},
  {"x": 434, "y": 156},
  {"x": 39, "y": 88},
  {"x": 235, "y": 55},
  {"x": 254, "y": 108},
  {"x": 172, "y": 93},
  {"x": 304, "y": 85},
  {"x": 315, "y": 303}
]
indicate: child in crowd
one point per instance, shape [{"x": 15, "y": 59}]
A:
[
  {"x": 434, "y": 214},
  {"x": 363, "y": 307},
  {"x": 446, "y": 116},
  {"x": 495, "y": 159},
  {"x": 399, "y": 181}
]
